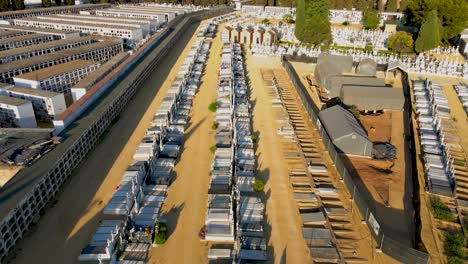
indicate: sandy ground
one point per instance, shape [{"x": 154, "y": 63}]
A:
[
  {"x": 187, "y": 198},
  {"x": 67, "y": 227},
  {"x": 7, "y": 172},
  {"x": 285, "y": 241}
]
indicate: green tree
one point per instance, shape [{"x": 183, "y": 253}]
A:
[
  {"x": 391, "y": 6},
  {"x": 288, "y": 18},
  {"x": 312, "y": 25},
  {"x": 400, "y": 42},
  {"x": 370, "y": 19},
  {"x": 69, "y": 2},
  {"x": 403, "y": 5},
  {"x": 18, "y": 4},
  {"x": 104, "y": 1},
  {"x": 4, "y": 5},
  {"x": 362, "y": 5},
  {"x": 46, "y": 3},
  {"x": 429, "y": 34},
  {"x": 59, "y": 2}
]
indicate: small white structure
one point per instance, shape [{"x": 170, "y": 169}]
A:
[
  {"x": 58, "y": 78},
  {"x": 47, "y": 105},
  {"x": 15, "y": 112}
]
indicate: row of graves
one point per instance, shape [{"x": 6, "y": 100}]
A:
[
  {"x": 209, "y": 28},
  {"x": 462, "y": 92},
  {"x": 235, "y": 211},
  {"x": 352, "y": 37},
  {"x": 275, "y": 12},
  {"x": 317, "y": 198},
  {"x": 132, "y": 217},
  {"x": 421, "y": 64},
  {"x": 440, "y": 145},
  {"x": 354, "y": 16}
]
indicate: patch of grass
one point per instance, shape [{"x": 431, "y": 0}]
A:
[
  {"x": 213, "y": 106},
  {"x": 258, "y": 185},
  {"x": 455, "y": 245},
  {"x": 214, "y": 126},
  {"x": 213, "y": 149},
  {"x": 441, "y": 211}
]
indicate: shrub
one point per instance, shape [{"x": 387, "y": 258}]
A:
[
  {"x": 160, "y": 237},
  {"x": 400, "y": 42},
  {"x": 370, "y": 19},
  {"x": 266, "y": 21},
  {"x": 254, "y": 138},
  {"x": 258, "y": 185},
  {"x": 214, "y": 126},
  {"x": 455, "y": 245},
  {"x": 455, "y": 260},
  {"x": 441, "y": 211},
  {"x": 213, "y": 106},
  {"x": 162, "y": 227},
  {"x": 213, "y": 149},
  {"x": 345, "y": 23}
]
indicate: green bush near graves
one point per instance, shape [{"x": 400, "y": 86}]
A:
[
  {"x": 370, "y": 19},
  {"x": 213, "y": 149},
  {"x": 258, "y": 185},
  {"x": 213, "y": 106},
  {"x": 400, "y": 42},
  {"x": 214, "y": 126},
  {"x": 455, "y": 245},
  {"x": 312, "y": 24},
  {"x": 441, "y": 211},
  {"x": 161, "y": 235}
]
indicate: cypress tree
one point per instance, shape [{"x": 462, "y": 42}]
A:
[
  {"x": 18, "y": 4},
  {"x": 58, "y": 2},
  {"x": 403, "y": 5},
  {"x": 312, "y": 25},
  {"x": 4, "y": 5},
  {"x": 46, "y": 3},
  {"x": 429, "y": 34}
]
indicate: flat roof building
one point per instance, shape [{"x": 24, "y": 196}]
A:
[
  {"x": 44, "y": 48},
  {"x": 162, "y": 18},
  {"x": 103, "y": 29},
  {"x": 144, "y": 26},
  {"x": 9, "y": 15},
  {"x": 15, "y": 112},
  {"x": 152, "y": 22},
  {"x": 372, "y": 98},
  {"x": 46, "y": 104},
  {"x": 11, "y": 33},
  {"x": 81, "y": 88},
  {"x": 345, "y": 131},
  {"x": 336, "y": 82},
  {"x": 25, "y": 40},
  {"x": 59, "y": 78},
  {"x": 46, "y": 31},
  {"x": 99, "y": 52}
]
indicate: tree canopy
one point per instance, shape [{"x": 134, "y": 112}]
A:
[
  {"x": 4, "y": 5},
  {"x": 18, "y": 4},
  {"x": 429, "y": 34},
  {"x": 451, "y": 14},
  {"x": 46, "y": 3},
  {"x": 312, "y": 25},
  {"x": 391, "y": 6},
  {"x": 400, "y": 42},
  {"x": 370, "y": 19},
  {"x": 58, "y": 2}
]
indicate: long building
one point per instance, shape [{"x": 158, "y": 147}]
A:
[
  {"x": 45, "y": 48},
  {"x": 46, "y": 104},
  {"x": 99, "y": 52},
  {"x": 152, "y": 22},
  {"x": 144, "y": 26},
  {"x": 16, "y": 112},
  {"x": 59, "y": 78},
  {"x": 11, "y": 33},
  {"x": 81, "y": 88},
  {"x": 46, "y": 31},
  {"x": 160, "y": 17},
  {"x": 25, "y": 40},
  {"x": 124, "y": 32},
  {"x": 9, "y": 15}
]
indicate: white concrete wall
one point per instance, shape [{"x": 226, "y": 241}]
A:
[
  {"x": 58, "y": 105},
  {"x": 25, "y": 114},
  {"x": 26, "y": 83}
]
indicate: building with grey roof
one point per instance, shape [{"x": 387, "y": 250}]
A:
[
  {"x": 372, "y": 98},
  {"x": 367, "y": 67},
  {"x": 335, "y": 83},
  {"x": 25, "y": 40},
  {"x": 331, "y": 65},
  {"x": 345, "y": 131},
  {"x": 46, "y": 104},
  {"x": 9, "y": 15},
  {"x": 46, "y": 31},
  {"x": 16, "y": 112},
  {"x": 11, "y": 33}
]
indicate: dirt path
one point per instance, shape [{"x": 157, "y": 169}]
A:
[
  {"x": 283, "y": 221},
  {"x": 187, "y": 198},
  {"x": 67, "y": 227}
]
